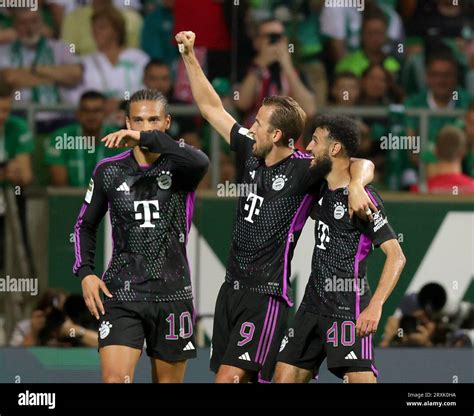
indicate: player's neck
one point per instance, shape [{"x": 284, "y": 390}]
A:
[
  {"x": 340, "y": 176},
  {"x": 277, "y": 154},
  {"x": 144, "y": 158}
]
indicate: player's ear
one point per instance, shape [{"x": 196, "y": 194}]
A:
[
  {"x": 336, "y": 149},
  {"x": 168, "y": 122}
]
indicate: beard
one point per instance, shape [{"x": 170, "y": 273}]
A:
[
  {"x": 321, "y": 165},
  {"x": 261, "y": 151}
]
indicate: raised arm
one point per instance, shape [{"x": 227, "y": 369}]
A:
[{"x": 206, "y": 97}]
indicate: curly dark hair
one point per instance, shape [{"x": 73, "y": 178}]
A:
[{"x": 340, "y": 128}]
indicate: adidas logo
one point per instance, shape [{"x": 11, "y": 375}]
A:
[
  {"x": 189, "y": 346},
  {"x": 351, "y": 356},
  {"x": 245, "y": 357},
  {"x": 124, "y": 187}
]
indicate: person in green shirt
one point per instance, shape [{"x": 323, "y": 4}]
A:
[
  {"x": 442, "y": 93},
  {"x": 16, "y": 144},
  {"x": 373, "y": 39},
  {"x": 74, "y": 150}
]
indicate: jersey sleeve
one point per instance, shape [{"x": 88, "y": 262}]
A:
[
  {"x": 191, "y": 164},
  {"x": 379, "y": 230},
  {"x": 241, "y": 143},
  {"x": 85, "y": 230}
]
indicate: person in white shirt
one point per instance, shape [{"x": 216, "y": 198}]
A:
[{"x": 115, "y": 70}]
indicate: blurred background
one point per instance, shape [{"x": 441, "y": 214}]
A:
[{"x": 404, "y": 69}]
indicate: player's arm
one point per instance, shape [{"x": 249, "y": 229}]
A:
[
  {"x": 362, "y": 173},
  {"x": 193, "y": 163},
  {"x": 85, "y": 235},
  {"x": 207, "y": 99},
  {"x": 368, "y": 320}
]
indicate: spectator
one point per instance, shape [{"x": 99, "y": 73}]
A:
[
  {"x": 373, "y": 39},
  {"x": 448, "y": 177},
  {"x": 16, "y": 144},
  {"x": 310, "y": 50},
  {"x": 40, "y": 68},
  {"x": 345, "y": 90},
  {"x": 443, "y": 92},
  {"x": 115, "y": 70},
  {"x": 157, "y": 36},
  {"x": 378, "y": 87},
  {"x": 57, "y": 320},
  {"x": 77, "y": 26},
  {"x": 26, "y": 332},
  {"x": 73, "y": 166},
  {"x": 342, "y": 25},
  {"x": 433, "y": 25},
  {"x": 272, "y": 73},
  {"x": 157, "y": 76}
]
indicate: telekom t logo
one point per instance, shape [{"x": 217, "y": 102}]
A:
[
  {"x": 147, "y": 212},
  {"x": 323, "y": 235},
  {"x": 251, "y": 206}
]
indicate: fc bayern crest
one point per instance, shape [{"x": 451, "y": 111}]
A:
[
  {"x": 164, "y": 180},
  {"x": 279, "y": 182},
  {"x": 339, "y": 210}
]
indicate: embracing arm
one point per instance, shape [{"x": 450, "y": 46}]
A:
[{"x": 362, "y": 173}]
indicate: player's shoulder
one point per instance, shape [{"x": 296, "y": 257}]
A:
[
  {"x": 110, "y": 161},
  {"x": 301, "y": 158},
  {"x": 240, "y": 131}
]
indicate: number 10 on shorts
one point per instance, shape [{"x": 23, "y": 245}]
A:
[{"x": 185, "y": 326}]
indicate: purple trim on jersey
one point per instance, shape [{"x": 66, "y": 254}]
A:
[
  {"x": 297, "y": 224},
  {"x": 371, "y": 197},
  {"x": 263, "y": 334},
  {"x": 113, "y": 243},
  {"x": 275, "y": 319},
  {"x": 363, "y": 250},
  {"x": 370, "y": 346},
  {"x": 374, "y": 369},
  {"x": 120, "y": 156},
  {"x": 261, "y": 380},
  {"x": 77, "y": 241},
  {"x": 190, "y": 198},
  {"x": 300, "y": 155}
]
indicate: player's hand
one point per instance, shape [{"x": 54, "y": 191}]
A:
[
  {"x": 360, "y": 203},
  {"x": 185, "y": 41},
  {"x": 368, "y": 320},
  {"x": 122, "y": 138},
  {"x": 91, "y": 287}
]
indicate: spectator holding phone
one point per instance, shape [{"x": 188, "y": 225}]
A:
[{"x": 272, "y": 73}]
